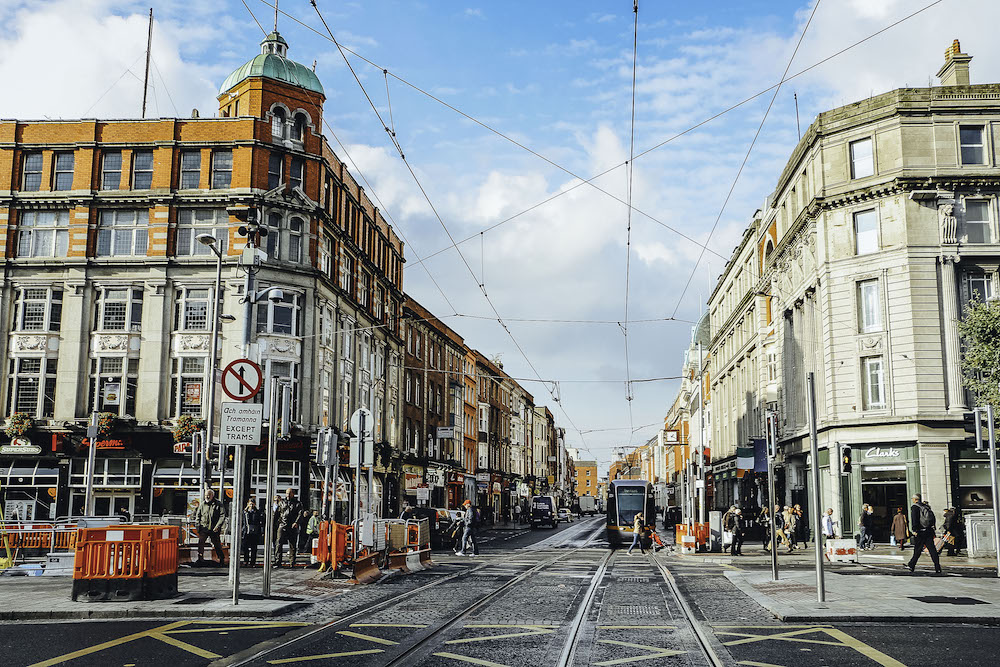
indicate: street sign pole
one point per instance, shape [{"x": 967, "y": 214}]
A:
[
  {"x": 236, "y": 522},
  {"x": 357, "y": 484},
  {"x": 772, "y": 448},
  {"x": 814, "y": 474},
  {"x": 272, "y": 445},
  {"x": 993, "y": 485},
  {"x": 91, "y": 462}
]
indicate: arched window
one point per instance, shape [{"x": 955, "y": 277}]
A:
[
  {"x": 768, "y": 249},
  {"x": 278, "y": 123},
  {"x": 273, "y": 235},
  {"x": 299, "y": 127}
]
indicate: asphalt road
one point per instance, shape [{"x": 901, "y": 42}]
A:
[{"x": 528, "y": 598}]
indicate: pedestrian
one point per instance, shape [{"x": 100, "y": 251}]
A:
[
  {"x": 865, "y": 539},
  {"x": 253, "y": 526},
  {"x": 764, "y": 519},
  {"x": 457, "y": 534},
  {"x": 738, "y": 528},
  {"x": 305, "y": 546},
  {"x": 779, "y": 528},
  {"x": 288, "y": 528},
  {"x": 829, "y": 532},
  {"x": 517, "y": 514},
  {"x": 407, "y": 513},
  {"x": 312, "y": 528},
  {"x": 950, "y": 527},
  {"x": 801, "y": 526},
  {"x": 637, "y": 526},
  {"x": 900, "y": 529},
  {"x": 791, "y": 528},
  {"x": 209, "y": 520},
  {"x": 922, "y": 524},
  {"x": 471, "y": 520},
  {"x": 275, "y": 522},
  {"x": 727, "y": 527}
]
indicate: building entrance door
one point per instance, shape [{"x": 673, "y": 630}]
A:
[{"x": 884, "y": 488}]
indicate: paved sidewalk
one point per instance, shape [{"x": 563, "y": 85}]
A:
[
  {"x": 888, "y": 593},
  {"x": 204, "y": 592}
]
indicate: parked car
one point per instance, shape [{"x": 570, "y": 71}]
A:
[{"x": 564, "y": 514}]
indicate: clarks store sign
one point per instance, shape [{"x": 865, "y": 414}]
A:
[{"x": 879, "y": 453}]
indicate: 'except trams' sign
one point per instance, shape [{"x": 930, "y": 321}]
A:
[{"x": 241, "y": 423}]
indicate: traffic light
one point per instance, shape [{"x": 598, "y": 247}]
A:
[
  {"x": 973, "y": 424},
  {"x": 845, "y": 459}
]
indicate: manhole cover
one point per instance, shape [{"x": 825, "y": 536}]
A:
[
  {"x": 942, "y": 599},
  {"x": 635, "y": 610},
  {"x": 193, "y": 601},
  {"x": 634, "y": 580}
]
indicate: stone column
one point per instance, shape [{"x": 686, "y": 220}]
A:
[{"x": 952, "y": 346}]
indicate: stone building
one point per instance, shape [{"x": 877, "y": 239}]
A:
[
  {"x": 108, "y": 295},
  {"x": 881, "y": 228}
]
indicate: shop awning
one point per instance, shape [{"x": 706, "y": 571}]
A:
[
  {"x": 28, "y": 473},
  {"x": 175, "y": 474}
]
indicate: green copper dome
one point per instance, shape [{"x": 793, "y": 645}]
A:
[{"x": 273, "y": 64}]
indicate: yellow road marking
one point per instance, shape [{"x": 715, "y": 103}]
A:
[
  {"x": 386, "y": 625},
  {"x": 864, "y": 649},
  {"x": 284, "y": 661},
  {"x": 531, "y": 630},
  {"x": 657, "y": 652},
  {"x": 190, "y": 648},
  {"x": 751, "y": 663},
  {"x": 840, "y": 638},
  {"x": 775, "y": 627},
  {"x": 465, "y": 658},
  {"x": 108, "y": 644},
  {"x": 792, "y": 636},
  {"x": 358, "y": 635},
  {"x": 636, "y": 627}
]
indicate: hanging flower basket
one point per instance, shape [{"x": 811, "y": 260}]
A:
[
  {"x": 18, "y": 424},
  {"x": 106, "y": 423},
  {"x": 186, "y": 426}
]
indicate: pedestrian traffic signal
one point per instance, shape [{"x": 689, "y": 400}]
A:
[
  {"x": 973, "y": 424},
  {"x": 845, "y": 459}
]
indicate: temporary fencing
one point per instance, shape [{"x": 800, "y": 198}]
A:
[
  {"x": 396, "y": 544},
  {"x": 125, "y": 563}
]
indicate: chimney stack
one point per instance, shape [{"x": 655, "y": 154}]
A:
[{"x": 955, "y": 71}]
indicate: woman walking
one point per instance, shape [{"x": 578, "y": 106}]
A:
[
  {"x": 900, "y": 528},
  {"x": 637, "y": 526},
  {"x": 253, "y": 526}
]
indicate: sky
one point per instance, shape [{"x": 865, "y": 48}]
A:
[{"x": 531, "y": 97}]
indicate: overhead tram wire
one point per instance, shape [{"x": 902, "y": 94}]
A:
[
  {"x": 440, "y": 220},
  {"x": 628, "y": 215},
  {"x": 746, "y": 158},
  {"x": 639, "y": 155}
]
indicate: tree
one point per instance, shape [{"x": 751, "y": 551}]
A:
[{"x": 980, "y": 331}]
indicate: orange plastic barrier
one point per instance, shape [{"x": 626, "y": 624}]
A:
[
  {"x": 333, "y": 547},
  {"x": 125, "y": 563},
  {"x": 680, "y": 530},
  {"x": 42, "y": 537}
]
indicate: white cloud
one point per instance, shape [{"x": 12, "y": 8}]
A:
[{"x": 474, "y": 12}]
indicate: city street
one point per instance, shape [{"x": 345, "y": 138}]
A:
[{"x": 532, "y": 597}]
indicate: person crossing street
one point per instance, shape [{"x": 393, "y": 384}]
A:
[{"x": 922, "y": 523}]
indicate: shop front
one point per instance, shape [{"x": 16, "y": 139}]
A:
[
  {"x": 885, "y": 477},
  {"x": 175, "y": 487},
  {"x": 456, "y": 489},
  {"x": 413, "y": 479},
  {"x": 29, "y": 489},
  {"x": 435, "y": 479},
  {"x": 970, "y": 479}
]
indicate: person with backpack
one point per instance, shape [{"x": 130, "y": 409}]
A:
[
  {"x": 471, "y": 519},
  {"x": 922, "y": 523}
]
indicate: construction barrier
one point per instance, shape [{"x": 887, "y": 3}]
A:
[
  {"x": 125, "y": 563},
  {"x": 680, "y": 530},
  {"x": 842, "y": 551},
  {"x": 42, "y": 537}
]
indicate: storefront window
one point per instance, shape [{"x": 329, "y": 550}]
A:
[{"x": 113, "y": 380}]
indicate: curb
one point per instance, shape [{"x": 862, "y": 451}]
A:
[{"x": 97, "y": 614}]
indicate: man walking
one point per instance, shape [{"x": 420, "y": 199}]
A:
[
  {"x": 469, "y": 531},
  {"x": 738, "y": 528},
  {"x": 209, "y": 520},
  {"x": 922, "y": 523},
  {"x": 289, "y": 515}
]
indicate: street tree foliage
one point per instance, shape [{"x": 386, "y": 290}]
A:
[{"x": 980, "y": 331}]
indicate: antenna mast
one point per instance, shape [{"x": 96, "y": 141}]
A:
[
  {"x": 276, "y": 15},
  {"x": 149, "y": 46}
]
